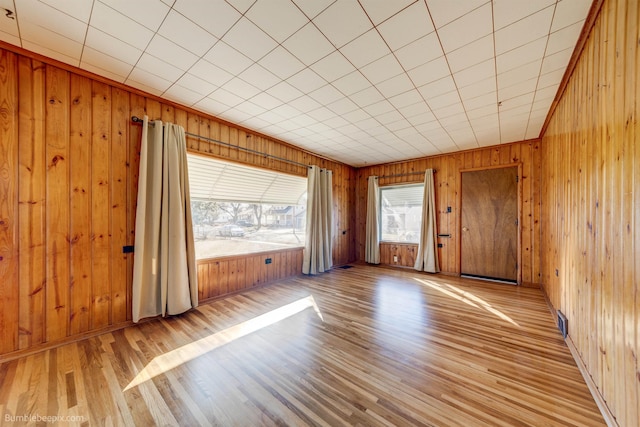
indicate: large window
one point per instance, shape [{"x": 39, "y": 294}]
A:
[
  {"x": 238, "y": 209},
  {"x": 401, "y": 213}
]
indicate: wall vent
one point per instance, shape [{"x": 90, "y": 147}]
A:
[{"x": 562, "y": 324}]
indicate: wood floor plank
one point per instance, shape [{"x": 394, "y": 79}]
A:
[{"x": 359, "y": 346}]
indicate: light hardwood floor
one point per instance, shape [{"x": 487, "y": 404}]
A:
[{"x": 360, "y": 346}]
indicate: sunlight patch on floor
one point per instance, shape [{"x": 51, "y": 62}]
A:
[
  {"x": 174, "y": 358},
  {"x": 467, "y": 298}
]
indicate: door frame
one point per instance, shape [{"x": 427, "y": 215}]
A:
[{"x": 519, "y": 216}]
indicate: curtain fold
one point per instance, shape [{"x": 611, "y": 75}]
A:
[
  {"x": 427, "y": 257},
  {"x": 317, "y": 255},
  {"x": 372, "y": 235},
  {"x": 164, "y": 271}
]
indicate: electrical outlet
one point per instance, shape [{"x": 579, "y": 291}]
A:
[
  {"x": 267, "y": 261},
  {"x": 395, "y": 258}
]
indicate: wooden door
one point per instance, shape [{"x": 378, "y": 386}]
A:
[{"x": 490, "y": 223}]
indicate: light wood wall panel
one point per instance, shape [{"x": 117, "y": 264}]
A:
[
  {"x": 448, "y": 167},
  {"x": 591, "y": 208},
  {"x": 69, "y": 158}
]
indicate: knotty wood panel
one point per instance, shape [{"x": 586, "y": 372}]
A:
[
  {"x": 69, "y": 156},
  {"x": 391, "y": 348},
  {"x": 591, "y": 208},
  {"x": 526, "y": 154}
]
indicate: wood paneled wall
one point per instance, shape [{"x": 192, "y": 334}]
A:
[
  {"x": 591, "y": 208},
  {"x": 68, "y": 185},
  {"x": 447, "y": 185}
]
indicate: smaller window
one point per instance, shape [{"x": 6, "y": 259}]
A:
[{"x": 401, "y": 213}]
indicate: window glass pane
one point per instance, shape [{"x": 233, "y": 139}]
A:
[
  {"x": 401, "y": 213},
  {"x": 244, "y": 225}
]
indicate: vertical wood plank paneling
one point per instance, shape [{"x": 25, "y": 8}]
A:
[
  {"x": 100, "y": 205},
  {"x": 80, "y": 170},
  {"x": 120, "y": 117},
  {"x": 31, "y": 203},
  {"x": 58, "y": 202},
  {"x": 9, "y": 270},
  {"x": 590, "y": 208}
]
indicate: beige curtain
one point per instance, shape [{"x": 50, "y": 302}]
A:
[
  {"x": 372, "y": 235},
  {"x": 427, "y": 258},
  {"x": 317, "y": 256},
  {"x": 164, "y": 271}
]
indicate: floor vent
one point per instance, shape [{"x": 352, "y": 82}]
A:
[
  {"x": 344, "y": 267},
  {"x": 562, "y": 324}
]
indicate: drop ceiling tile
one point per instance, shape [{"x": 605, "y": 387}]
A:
[
  {"x": 196, "y": 84},
  {"x": 326, "y": 94},
  {"x": 429, "y": 72},
  {"x": 305, "y": 104},
  {"x": 444, "y": 100},
  {"x": 564, "y": 38},
  {"x": 570, "y": 12},
  {"x": 171, "y": 53},
  {"x": 215, "y": 16},
  {"x": 120, "y": 26},
  {"x": 507, "y": 94},
  {"x": 472, "y": 54},
  {"x": 312, "y": 8},
  {"x": 306, "y": 81},
  {"x": 106, "y": 62},
  {"x": 241, "y": 5},
  {"x": 520, "y": 74},
  {"x": 149, "y": 13},
  {"x": 398, "y": 124},
  {"x": 273, "y": 118},
  {"x": 365, "y": 49},
  {"x": 235, "y": 116},
  {"x": 182, "y": 95},
  {"x": 40, "y": 16},
  {"x": 281, "y": 63},
  {"x": 336, "y": 122},
  {"x": 144, "y": 87},
  {"x": 548, "y": 92},
  {"x": 379, "y": 11},
  {"x": 417, "y": 109},
  {"x": 445, "y": 11},
  {"x": 481, "y": 105},
  {"x": 259, "y": 76},
  {"x": 380, "y": 107},
  {"x": 419, "y": 52},
  {"x": 342, "y": 106},
  {"x": 211, "y": 106},
  {"x": 224, "y": 96},
  {"x": 187, "y": 34},
  {"x": 407, "y": 26},
  {"x": 224, "y": 56},
  {"x": 278, "y": 18},
  {"x": 241, "y": 88},
  {"x": 422, "y": 118},
  {"x": 308, "y": 44},
  {"x": 250, "y": 108},
  {"x": 333, "y": 66},
  {"x": 249, "y": 40},
  {"x": 410, "y": 97},
  {"x": 210, "y": 73},
  {"x": 506, "y": 12},
  {"x": 556, "y": 61},
  {"x": 78, "y": 10},
  {"x": 482, "y": 71},
  {"x": 155, "y": 66},
  {"x": 284, "y": 92},
  {"x": 550, "y": 79},
  {"x": 521, "y": 55},
  {"x": 109, "y": 45},
  {"x": 61, "y": 47},
  {"x": 357, "y": 117},
  {"x": 148, "y": 79},
  {"x": 438, "y": 87},
  {"x": 382, "y": 69},
  {"x": 342, "y": 22},
  {"x": 464, "y": 30},
  {"x": 266, "y": 101},
  {"x": 351, "y": 83},
  {"x": 482, "y": 87},
  {"x": 395, "y": 85},
  {"x": 367, "y": 96},
  {"x": 9, "y": 27},
  {"x": 85, "y": 65},
  {"x": 524, "y": 31}
]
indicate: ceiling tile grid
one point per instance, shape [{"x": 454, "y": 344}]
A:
[{"x": 358, "y": 81}]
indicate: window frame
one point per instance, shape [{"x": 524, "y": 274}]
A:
[{"x": 380, "y": 199}]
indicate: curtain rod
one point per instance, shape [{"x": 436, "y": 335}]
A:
[
  {"x": 136, "y": 119},
  {"x": 403, "y": 174}
]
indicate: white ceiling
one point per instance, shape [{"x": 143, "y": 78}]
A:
[{"x": 359, "y": 81}]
